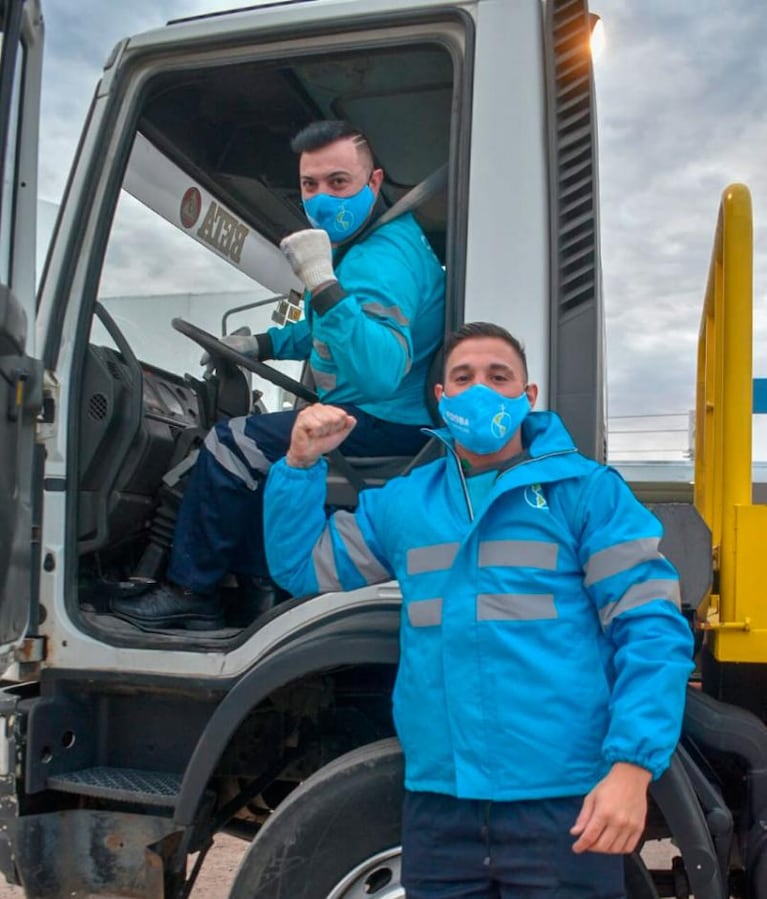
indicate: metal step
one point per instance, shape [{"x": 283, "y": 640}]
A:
[{"x": 121, "y": 784}]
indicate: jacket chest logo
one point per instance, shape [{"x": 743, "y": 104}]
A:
[{"x": 535, "y": 497}]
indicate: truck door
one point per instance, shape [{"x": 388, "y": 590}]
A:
[{"x": 20, "y": 372}]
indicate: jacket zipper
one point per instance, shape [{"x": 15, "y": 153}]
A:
[{"x": 464, "y": 486}]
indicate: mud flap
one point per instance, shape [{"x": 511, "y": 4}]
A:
[{"x": 90, "y": 852}]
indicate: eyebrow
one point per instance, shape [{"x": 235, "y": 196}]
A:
[
  {"x": 326, "y": 177},
  {"x": 465, "y": 367}
]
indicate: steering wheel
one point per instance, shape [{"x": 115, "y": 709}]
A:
[{"x": 219, "y": 351}]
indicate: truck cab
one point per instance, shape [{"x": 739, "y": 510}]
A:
[{"x": 125, "y": 750}]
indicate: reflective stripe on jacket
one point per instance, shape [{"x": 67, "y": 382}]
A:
[
  {"x": 541, "y": 640},
  {"x": 374, "y": 348}
]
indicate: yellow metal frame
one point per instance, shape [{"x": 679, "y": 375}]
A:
[{"x": 737, "y": 612}]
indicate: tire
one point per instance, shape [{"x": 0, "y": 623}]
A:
[
  {"x": 337, "y": 836},
  {"x": 338, "y": 831}
]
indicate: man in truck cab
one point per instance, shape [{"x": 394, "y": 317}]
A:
[
  {"x": 374, "y": 315},
  {"x": 544, "y": 657}
]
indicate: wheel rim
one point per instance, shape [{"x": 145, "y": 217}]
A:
[{"x": 377, "y": 877}]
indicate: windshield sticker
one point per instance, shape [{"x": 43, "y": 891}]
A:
[
  {"x": 191, "y": 206},
  {"x": 222, "y": 231}
]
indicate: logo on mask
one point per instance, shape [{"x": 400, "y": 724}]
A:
[
  {"x": 500, "y": 424},
  {"x": 534, "y": 497},
  {"x": 460, "y": 420},
  {"x": 344, "y": 219}
]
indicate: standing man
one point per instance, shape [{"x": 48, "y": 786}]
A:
[
  {"x": 374, "y": 316},
  {"x": 543, "y": 654}
]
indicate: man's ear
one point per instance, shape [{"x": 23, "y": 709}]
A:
[
  {"x": 438, "y": 391},
  {"x": 532, "y": 394},
  {"x": 376, "y": 180}
]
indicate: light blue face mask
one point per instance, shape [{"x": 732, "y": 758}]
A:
[
  {"x": 341, "y": 217},
  {"x": 483, "y": 420}
]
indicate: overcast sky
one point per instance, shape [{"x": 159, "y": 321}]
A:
[{"x": 682, "y": 92}]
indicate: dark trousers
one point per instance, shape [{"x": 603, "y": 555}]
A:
[
  {"x": 219, "y": 527},
  {"x": 473, "y": 849}
]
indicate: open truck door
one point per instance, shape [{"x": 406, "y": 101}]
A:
[{"x": 20, "y": 371}]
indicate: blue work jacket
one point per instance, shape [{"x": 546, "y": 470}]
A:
[
  {"x": 374, "y": 348},
  {"x": 541, "y": 637}
]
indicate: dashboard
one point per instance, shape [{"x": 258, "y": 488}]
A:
[
  {"x": 132, "y": 416},
  {"x": 169, "y": 398}
]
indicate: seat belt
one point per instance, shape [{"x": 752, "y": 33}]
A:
[{"x": 423, "y": 191}]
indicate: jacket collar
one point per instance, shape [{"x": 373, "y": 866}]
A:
[{"x": 552, "y": 457}]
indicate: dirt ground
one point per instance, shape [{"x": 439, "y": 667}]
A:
[
  {"x": 223, "y": 859},
  {"x": 219, "y": 869}
]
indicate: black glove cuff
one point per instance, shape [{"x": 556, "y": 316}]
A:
[
  {"x": 265, "y": 348},
  {"x": 330, "y": 296}
]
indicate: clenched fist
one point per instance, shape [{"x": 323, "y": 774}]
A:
[
  {"x": 317, "y": 430},
  {"x": 311, "y": 257}
]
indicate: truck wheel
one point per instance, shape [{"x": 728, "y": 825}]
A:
[{"x": 335, "y": 836}]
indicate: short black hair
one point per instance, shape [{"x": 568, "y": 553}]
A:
[
  {"x": 472, "y": 330},
  {"x": 319, "y": 134}
]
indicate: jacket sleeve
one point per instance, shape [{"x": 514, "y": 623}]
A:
[
  {"x": 368, "y": 330},
  {"x": 636, "y": 593},
  {"x": 308, "y": 552},
  {"x": 292, "y": 341}
]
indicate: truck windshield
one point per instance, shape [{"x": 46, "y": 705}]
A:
[{"x": 163, "y": 262}]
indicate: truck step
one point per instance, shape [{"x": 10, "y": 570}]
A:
[{"x": 121, "y": 784}]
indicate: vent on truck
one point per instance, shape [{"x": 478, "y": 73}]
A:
[
  {"x": 98, "y": 406},
  {"x": 576, "y": 368},
  {"x": 576, "y": 169}
]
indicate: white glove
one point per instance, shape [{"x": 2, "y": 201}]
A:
[
  {"x": 241, "y": 340},
  {"x": 310, "y": 256}
]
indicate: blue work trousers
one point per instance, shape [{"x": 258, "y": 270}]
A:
[
  {"x": 220, "y": 523},
  {"x": 474, "y": 849}
]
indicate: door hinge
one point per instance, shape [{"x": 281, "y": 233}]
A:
[
  {"x": 27, "y": 658},
  {"x": 46, "y": 422},
  {"x": 32, "y": 649}
]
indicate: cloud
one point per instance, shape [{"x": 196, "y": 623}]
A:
[
  {"x": 78, "y": 40},
  {"x": 681, "y": 115}
]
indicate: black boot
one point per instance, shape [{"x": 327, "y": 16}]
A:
[
  {"x": 167, "y": 606},
  {"x": 253, "y": 597}
]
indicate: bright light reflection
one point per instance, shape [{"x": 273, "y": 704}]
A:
[{"x": 597, "y": 39}]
